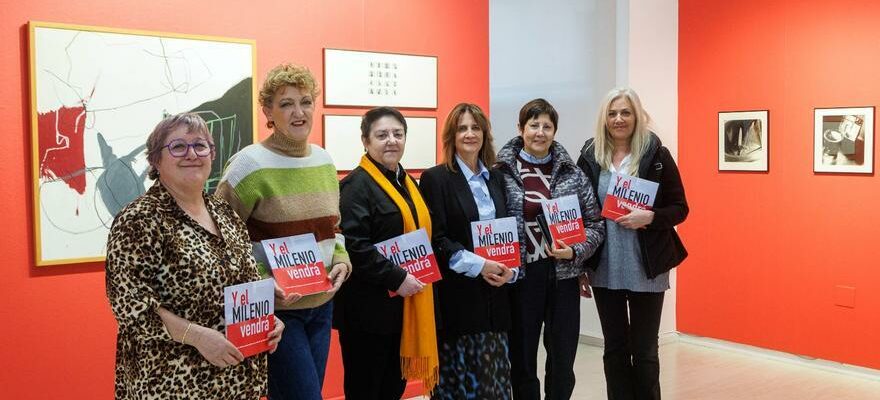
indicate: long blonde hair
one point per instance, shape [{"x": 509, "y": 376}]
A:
[{"x": 603, "y": 147}]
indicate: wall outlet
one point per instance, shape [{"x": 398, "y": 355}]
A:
[{"x": 845, "y": 296}]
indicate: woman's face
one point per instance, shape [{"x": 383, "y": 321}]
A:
[
  {"x": 621, "y": 120},
  {"x": 189, "y": 170},
  {"x": 538, "y": 134},
  {"x": 386, "y": 142},
  {"x": 468, "y": 137},
  {"x": 291, "y": 112}
]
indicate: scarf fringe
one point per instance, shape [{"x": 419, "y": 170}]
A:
[{"x": 421, "y": 368}]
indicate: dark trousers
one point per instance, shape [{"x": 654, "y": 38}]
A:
[
  {"x": 632, "y": 365},
  {"x": 371, "y": 364},
  {"x": 539, "y": 299}
]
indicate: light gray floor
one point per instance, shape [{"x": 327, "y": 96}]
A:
[{"x": 692, "y": 371}]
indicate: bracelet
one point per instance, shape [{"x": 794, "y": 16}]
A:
[{"x": 183, "y": 339}]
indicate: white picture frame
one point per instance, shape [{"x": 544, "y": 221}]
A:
[
  {"x": 843, "y": 140},
  {"x": 371, "y": 79},
  {"x": 743, "y": 140},
  {"x": 342, "y": 139}
]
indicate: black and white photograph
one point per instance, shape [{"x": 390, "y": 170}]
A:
[
  {"x": 742, "y": 140},
  {"x": 843, "y": 140}
]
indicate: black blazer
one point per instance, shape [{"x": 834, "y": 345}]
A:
[
  {"x": 464, "y": 305},
  {"x": 368, "y": 216}
]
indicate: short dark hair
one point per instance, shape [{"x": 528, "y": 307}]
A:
[
  {"x": 534, "y": 109},
  {"x": 156, "y": 141},
  {"x": 375, "y": 114}
]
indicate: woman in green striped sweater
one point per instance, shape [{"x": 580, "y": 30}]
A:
[{"x": 284, "y": 186}]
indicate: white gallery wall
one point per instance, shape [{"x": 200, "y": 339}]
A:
[
  {"x": 652, "y": 70},
  {"x": 571, "y": 52},
  {"x": 556, "y": 49}
]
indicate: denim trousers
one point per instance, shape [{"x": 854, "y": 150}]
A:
[{"x": 296, "y": 368}]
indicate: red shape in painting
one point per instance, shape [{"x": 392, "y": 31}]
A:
[{"x": 61, "y": 146}]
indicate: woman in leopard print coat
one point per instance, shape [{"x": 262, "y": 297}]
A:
[{"x": 169, "y": 255}]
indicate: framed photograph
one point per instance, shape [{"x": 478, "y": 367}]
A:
[
  {"x": 342, "y": 139},
  {"x": 370, "y": 79},
  {"x": 743, "y": 140},
  {"x": 843, "y": 140},
  {"x": 96, "y": 94}
]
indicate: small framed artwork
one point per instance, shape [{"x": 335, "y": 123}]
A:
[
  {"x": 743, "y": 140},
  {"x": 843, "y": 140},
  {"x": 371, "y": 79},
  {"x": 342, "y": 139}
]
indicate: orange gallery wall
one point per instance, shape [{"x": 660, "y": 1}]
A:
[
  {"x": 773, "y": 254},
  {"x": 58, "y": 335}
]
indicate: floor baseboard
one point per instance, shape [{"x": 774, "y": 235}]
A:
[
  {"x": 666, "y": 337},
  {"x": 781, "y": 356}
]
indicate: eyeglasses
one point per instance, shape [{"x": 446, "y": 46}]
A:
[{"x": 180, "y": 148}]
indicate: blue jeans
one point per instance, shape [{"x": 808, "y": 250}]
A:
[{"x": 296, "y": 369}]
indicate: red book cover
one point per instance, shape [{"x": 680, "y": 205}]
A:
[
  {"x": 564, "y": 219},
  {"x": 624, "y": 189},
  {"x": 497, "y": 240},
  {"x": 250, "y": 315},
  {"x": 297, "y": 264},
  {"x": 413, "y": 252}
]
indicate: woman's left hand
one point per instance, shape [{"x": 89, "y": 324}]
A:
[
  {"x": 636, "y": 219},
  {"x": 561, "y": 251},
  {"x": 275, "y": 335},
  {"x": 337, "y": 275}
]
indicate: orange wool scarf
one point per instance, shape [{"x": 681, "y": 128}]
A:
[{"x": 418, "y": 339}]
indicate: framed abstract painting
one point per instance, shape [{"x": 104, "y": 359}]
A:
[{"x": 96, "y": 94}]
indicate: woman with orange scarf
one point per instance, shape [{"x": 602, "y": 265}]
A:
[{"x": 385, "y": 340}]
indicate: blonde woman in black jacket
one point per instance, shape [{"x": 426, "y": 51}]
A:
[{"x": 631, "y": 269}]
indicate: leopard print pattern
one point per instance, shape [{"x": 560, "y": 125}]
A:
[{"x": 157, "y": 255}]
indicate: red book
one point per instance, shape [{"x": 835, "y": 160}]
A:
[
  {"x": 413, "y": 252},
  {"x": 628, "y": 190},
  {"x": 250, "y": 315},
  {"x": 497, "y": 240},
  {"x": 297, "y": 264},
  {"x": 564, "y": 219}
]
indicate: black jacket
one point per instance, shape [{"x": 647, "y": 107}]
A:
[
  {"x": 661, "y": 247},
  {"x": 464, "y": 305},
  {"x": 368, "y": 216}
]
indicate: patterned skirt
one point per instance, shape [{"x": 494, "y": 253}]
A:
[{"x": 474, "y": 367}]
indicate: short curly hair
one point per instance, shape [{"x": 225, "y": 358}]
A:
[{"x": 287, "y": 75}]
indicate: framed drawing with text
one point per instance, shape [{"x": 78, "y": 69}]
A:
[
  {"x": 371, "y": 79},
  {"x": 342, "y": 139},
  {"x": 743, "y": 140},
  {"x": 96, "y": 94},
  {"x": 843, "y": 140}
]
